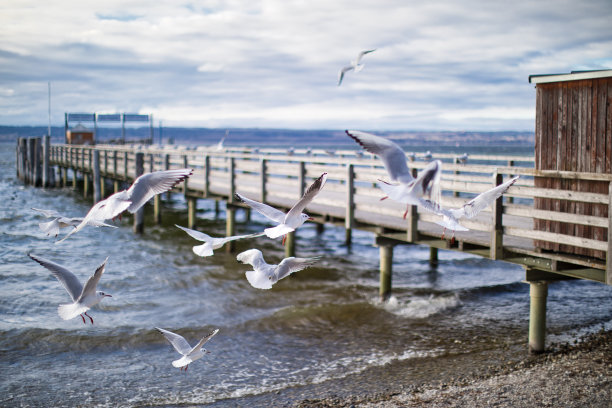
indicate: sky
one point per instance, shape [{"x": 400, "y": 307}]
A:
[{"x": 438, "y": 65}]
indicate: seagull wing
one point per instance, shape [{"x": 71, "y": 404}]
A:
[
  {"x": 264, "y": 209},
  {"x": 92, "y": 282},
  {"x": 178, "y": 342},
  {"x": 253, "y": 257},
  {"x": 392, "y": 156},
  {"x": 50, "y": 227},
  {"x": 150, "y": 184},
  {"x": 342, "y": 72},
  {"x": 361, "y": 54},
  {"x": 308, "y": 196},
  {"x": 200, "y": 236},
  {"x": 66, "y": 278},
  {"x": 290, "y": 265},
  {"x": 428, "y": 181},
  {"x": 203, "y": 341},
  {"x": 482, "y": 201},
  {"x": 224, "y": 240}
]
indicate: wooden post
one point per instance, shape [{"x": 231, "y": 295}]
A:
[
  {"x": 412, "y": 219},
  {"x": 433, "y": 256},
  {"x": 115, "y": 163},
  {"x": 349, "y": 218},
  {"x": 64, "y": 176},
  {"x": 167, "y": 167},
  {"x": 456, "y": 172},
  {"x": 510, "y": 199},
  {"x": 206, "y": 175},
  {"x": 609, "y": 254},
  {"x": 538, "y": 292},
  {"x": 186, "y": 181},
  {"x": 230, "y": 226},
  {"x": 192, "y": 204},
  {"x": 290, "y": 245},
  {"x": 301, "y": 179},
  {"x": 386, "y": 268},
  {"x": 125, "y": 166},
  {"x": 97, "y": 185},
  {"x": 230, "y": 229},
  {"x": 85, "y": 184},
  {"x": 46, "y": 167},
  {"x": 139, "y": 215},
  {"x": 37, "y": 162},
  {"x": 30, "y": 161},
  {"x": 497, "y": 231},
  {"x": 263, "y": 179}
]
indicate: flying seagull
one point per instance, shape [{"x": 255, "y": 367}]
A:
[
  {"x": 141, "y": 191},
  {"x": 83, "y": 297},
  {"x": 190, "y": 354},
  {"x": 59, "y": 221},
  {"x": 211, "y": 243},
  {"x": 409, "y": 190},
  {"x": 294, "y": 218},
  {"x": 264, "y": 275},
  {"x": 355, "y": 65},
  {"x": 451, "y": 216}
]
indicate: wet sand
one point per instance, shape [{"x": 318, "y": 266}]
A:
[{"x": 576, "y": 375}]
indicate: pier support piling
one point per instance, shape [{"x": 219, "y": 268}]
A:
[
  {"x": 97, "y": 184},
  {"x": 191, "y": 212},
  {"x": 538, "y": 292},
  {"x": 433, "y": 256},
  {"x": 139, "y": 215},
  {"x": 386, "y": 262},
  {"x": 290, "y": 245},
  {"x": 230, "y": 227},
  {"x": 157, "y": 209}
]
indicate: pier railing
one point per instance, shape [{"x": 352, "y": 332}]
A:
[{"x": 350, "y": 198}]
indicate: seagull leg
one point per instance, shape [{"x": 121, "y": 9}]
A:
[
  {"x": 406, "y": 212},
  {"x": 89, "y": 317},
  {"x": 284, "y": 239},
  {"x": 384, "y": 198},
  {"x": 452, "y": 241},
  {"x": 443, "y": 231},
  {"x": 82, "y": 317}
]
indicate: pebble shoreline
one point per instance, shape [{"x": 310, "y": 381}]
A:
[{"x": 577, "y": 375}]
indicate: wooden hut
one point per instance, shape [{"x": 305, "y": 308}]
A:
[
  {"x": 80, "y": 135},
  {"x": 573, "y": 132}
]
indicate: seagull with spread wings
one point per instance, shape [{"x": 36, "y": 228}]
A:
[
  {"x": 52, "y": 228},
  {"x": 291, "y": 220},
  {"x": 83, "y": 297},
  {"x": 190, "y": 354},
  {"x": 264, "y": 275},
  {"x": 408, "y": 190},
  {"x": 211, "y": 243},
  {"x": 355, "y": 65},
  {"x": 141, "y": 191}
]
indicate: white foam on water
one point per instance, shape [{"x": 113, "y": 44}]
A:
[{"x": 418, "y": 307}]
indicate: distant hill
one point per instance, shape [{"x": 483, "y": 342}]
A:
[{"x": 246, "y": 137}]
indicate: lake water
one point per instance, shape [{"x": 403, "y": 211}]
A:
[{"x": 298, "y": 340}]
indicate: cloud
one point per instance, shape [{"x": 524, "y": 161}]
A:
[{"x": 438, "y": 65}]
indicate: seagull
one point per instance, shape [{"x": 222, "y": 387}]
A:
[
  {"x": 141, "y": 191},
  {"x": 294, "y": 218},
  {"x": 83, "y": 297},
  {"x": 59, "y": 221},
  {"x": 190, "y": 354},
  {"x": 211, "y": 243},
  {"x": 427, "y": 156},
  {"x": 264, "y": 275},
  {"x": 451, "y": 216},
  {"x": 355, "y": 65},
  {"x": 463, "y": 158},
  {"x": 410, "y": 190}
]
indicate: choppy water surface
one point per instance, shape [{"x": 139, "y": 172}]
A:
[{"x": 318, "y": 326}]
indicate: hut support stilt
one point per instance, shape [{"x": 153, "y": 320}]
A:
[{"x": 538, "y": 292}]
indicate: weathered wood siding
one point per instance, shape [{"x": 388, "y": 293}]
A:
[{"x": 573, "y": 133}]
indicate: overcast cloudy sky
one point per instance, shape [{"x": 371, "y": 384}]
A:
[{"x": 438, "y": 65}]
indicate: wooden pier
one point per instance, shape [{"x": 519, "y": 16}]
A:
[{"x": 350, "y": 199}]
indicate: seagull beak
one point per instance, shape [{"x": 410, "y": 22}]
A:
[
  {"x": 310, "y": 219},
  {"x": 107, "y": 295}
]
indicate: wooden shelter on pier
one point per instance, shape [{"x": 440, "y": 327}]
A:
[{"x": 573, "y": 133}]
